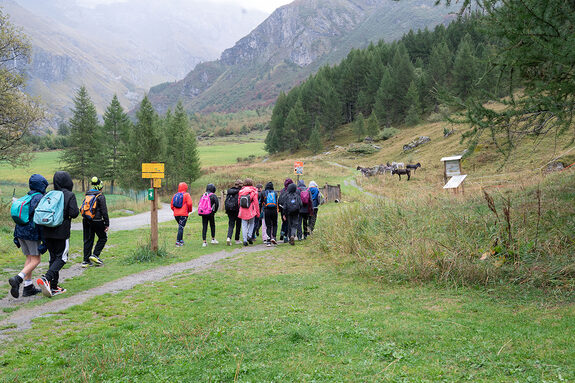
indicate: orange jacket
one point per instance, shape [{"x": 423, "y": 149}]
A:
[
  {"x": 254, "y": 209},
  {"x": 187, "y": 206}
]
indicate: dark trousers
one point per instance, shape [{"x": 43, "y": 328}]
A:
[
  {"x": 181, "y": 220},
  {"x": 312, "y": 219},
  {"x": 58, "y": 249},
  {"x": 292, "y": 224},
  {"x": 257, "y": 225},
  {"x": 234, "y": 221},
  {"x": 91, "y": 229},
  {"x": 303, "y": 220},
  {"x": 212, "y": 220},
  {"x": 283, "y": 229},
  {"x": 271, "y": 217}
]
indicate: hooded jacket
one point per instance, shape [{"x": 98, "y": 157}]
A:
[
  {"x": 308, "y": 208},
  {"x": 232, "y": 193},
  {"x": 63, "y": 182},
  {"x": 101, "y": 213},
  {"x": 31, "y": 231},
  {"x": 264, "y": 194},
  {"x": 314, "y": 193},
  {"x": 254, "y": 209},
  {"x": 292, "y": 193},
  {"x": 214, "y": 200},
  {"x": 187, "y": 206},
  {"x": 283, "y": 193}
]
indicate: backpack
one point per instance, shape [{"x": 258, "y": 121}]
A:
[
  {"x": 245, "y": 201},
  {"x": 88, "y": 208},
  {"x": 178, "y": 200},
  {"x": 231, "y": 203},
  {"x": 20, "y": 209},
  {"x": 205, "y": 204},
  {"x": 271, "y": 199},
  {"x": 304, "y": 195},
  {"x": 321, "y": 198},
  {"x": 50, "y": 209},
  {"x": 292, "y": 205}
]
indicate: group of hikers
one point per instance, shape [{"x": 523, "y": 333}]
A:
[
  {"x": 43, "y": 221},
  {"x": 253, "y": 208}
]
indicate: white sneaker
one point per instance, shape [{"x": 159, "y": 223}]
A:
[
  {"x": 204, "y": 244},
  {"x": 214, "y": 241},
  {"x": 228, "y": 241},
  {"x": 238, "y": 242}
]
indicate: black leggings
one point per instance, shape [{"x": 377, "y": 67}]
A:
[
  {"x": 211, "y": 219},
  {"x": 58, "y": 249},
  {"x": 271, "y": 217},
  {"x": 234, "y": 221},
  {"x": 91, "y": 229}
]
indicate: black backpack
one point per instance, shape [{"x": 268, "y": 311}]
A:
[
  {"x": 245, "y": 201},
  {"x": 291, "y": 204},
  {"x": 231, "y": 203}
]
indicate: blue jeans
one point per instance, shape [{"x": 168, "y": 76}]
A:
[{"x": 247, "y": 228}]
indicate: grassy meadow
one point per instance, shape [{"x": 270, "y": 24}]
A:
[{"x": 401, "y": 282}]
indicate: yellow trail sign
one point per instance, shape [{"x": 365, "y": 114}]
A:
[
  {"x": 153, "y": 168},
  {"x": 153, "y": 175}
]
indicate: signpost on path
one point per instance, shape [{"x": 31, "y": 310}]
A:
[
  {"x": 155, "y": 172},
  {"x": 298, "y": 169}
]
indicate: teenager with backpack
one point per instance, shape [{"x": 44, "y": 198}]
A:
[
  {"x": 207, "y": 208},
  {"x": 283, "y": 192},
  {"x": 316, "y": 201},
  {"x": 269, "y": 198},
  {"x": 232, "y": 207},
  {"x": 95, "y": 221},
  {"x": 57, "y": 237},
  {"x": 259, "y": 218},
  {"x": 291, "y": 205},
  {"x": 305, "y": 211},
  {"x": 182, "y": 206},
  {"x": 28, "y": 236},
  {"x": 249, "y": 209}
]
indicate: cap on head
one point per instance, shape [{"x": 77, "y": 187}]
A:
[{"x": 97, "y": 183}]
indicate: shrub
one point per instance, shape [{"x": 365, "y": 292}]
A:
[
  {"x": 144, "y": 254},
  {"x": 386, "y": 134},
  {"x": 362, "y": 149}
]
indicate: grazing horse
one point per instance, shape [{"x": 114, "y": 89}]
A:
[
  {"x": 399, "y": 172},
  {"x": 413, "y": 167}
]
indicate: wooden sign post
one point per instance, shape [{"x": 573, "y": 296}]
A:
[{"x": 155, "y": 172}]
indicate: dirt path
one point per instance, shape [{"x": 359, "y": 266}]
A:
[
  {"x": 22, "y": 319},
  {"x": 135, "y": 221}
]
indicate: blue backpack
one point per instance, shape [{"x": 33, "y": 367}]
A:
[
  {"x": 271, "y": 200},
  {"x": 50, "y": 209},
  {"x": 20, "y": 209},
  {"x": 178, "y": 200}
]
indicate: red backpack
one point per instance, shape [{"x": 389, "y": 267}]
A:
[{"x": 304, "y": 195}]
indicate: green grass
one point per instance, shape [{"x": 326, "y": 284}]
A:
[{"x": 218, "y": 155}]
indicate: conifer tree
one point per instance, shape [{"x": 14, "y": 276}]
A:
[
  {"x": 372, "y": 126},
  {"x": 384, "y": 99},
  {"x": 414, "y": 111},
  {"x": 117, "y": 126},
  {"x": 359, "y": 127},
  {"x": 464, "y": 65},
  {"x": 83, "y": 158},
  {"x": 315, "y": 144}
]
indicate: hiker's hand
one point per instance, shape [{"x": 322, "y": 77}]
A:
[
  {"x": 16, "y": 242},
  {"x": 106, "y": 229},
  {"x": 42, "y": 248}
]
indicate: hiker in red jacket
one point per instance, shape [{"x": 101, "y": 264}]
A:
[
  {"x": 249, "y": 209},
  {"x": 182, "y": 206}
]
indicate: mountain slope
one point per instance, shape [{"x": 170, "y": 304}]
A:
[{"x": 290, "y": 45}]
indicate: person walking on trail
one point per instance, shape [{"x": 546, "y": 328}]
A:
[
  {"x": 95, "y": 222},
  {"x": 207, "y": 208},
  {"x": 316, "y": 201},
  {"x": 232, "y": 207},
  {"x": 305, "y": 211},
  {"x": 249, "y": 209},
  {"x": 28, "y": 237},
  {"x": 270, "y": 204},
  {"x": 290, "y": 211},
  {"x": 57, "y": 238},
  {"x": 258, "y": 218},
  {"x": 283, "y": 192},
  {"x": 182, "y": 206}
]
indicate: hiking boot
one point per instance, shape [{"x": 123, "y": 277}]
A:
[
  {"x": 204, "y": 244},
  {"x": 274, "y": 242},
  {"x": 178, "y": 244},
  {"x": 250, "y": 241},
  {"x": 30, "y": 290},
  {"x": 15, "y": 283},
  {"x": 214, "y": 241},
  {"x": 269, "y": 244},
  {"x": 96, "y": 260},
  {"x": 86, "y": 264},
  {"x": 245, "y": 243},
  {"x": 58, "y": 290},
  {"x": 44, "y": 286},
  {"x": 228, "y": 241},
  {"x": 292, "y": 240}
]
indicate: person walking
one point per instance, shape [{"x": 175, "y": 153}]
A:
[
  {"x": 182, "y": 205},
  {"x": 315, "y": 199},
  {"x": 249, "y": 209},
  {"x": 290, "y": 211},
  {"x": 283, "y": 192},
  {"x": 305, "y": 211},
  {"x": 207, "y": 208},
  {"x": 28, "y": 237},
  {"x": 57, "y": 238},
  {"x": 232, "y": 207},
  {"x": 269, "y": 199},
  {"x": 95, "y": 221},
  {"x": 258, "y": 218}
]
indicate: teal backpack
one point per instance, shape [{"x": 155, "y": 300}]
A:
[
  {"x": 20, "y": 209},
  {"x": 50, "y": 209}
]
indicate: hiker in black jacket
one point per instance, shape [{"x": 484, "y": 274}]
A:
[
  {"x": 232, "y": 207},
  {"x": 95, "y": 221},
  {"x": 57, "y": 238},
  {"x": 291, "y": 205}
]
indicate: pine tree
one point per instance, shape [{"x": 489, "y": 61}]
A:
[
  {"x": 372, "y": 126},
  {"x": 464, "y": 72},
  {"x": 414, "y": 111},
  {"x": 84, "y": 157},
  {"x": 384, "y": 99},
  {"x": 117, "y": 126},
  {"x": 359, "y": 127},
  {"x": 315, "y": 144}
]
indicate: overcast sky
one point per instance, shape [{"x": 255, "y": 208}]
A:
[{"x": 264, "y": 5}]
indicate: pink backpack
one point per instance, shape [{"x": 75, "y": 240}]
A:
[{"x": 205, "y": 204}]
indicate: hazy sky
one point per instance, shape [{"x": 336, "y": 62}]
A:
[{"x": 264, "y": 5}]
